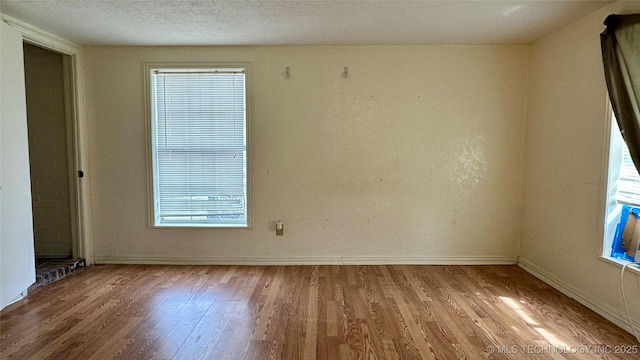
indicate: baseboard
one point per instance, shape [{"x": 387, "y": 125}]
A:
[
  {"x": 311, "y": 260},
  {"x": 22, "y": 295},
  {"x": 602, "y": 309}
]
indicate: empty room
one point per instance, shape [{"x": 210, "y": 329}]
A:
[{"x": 346, "y": 179}]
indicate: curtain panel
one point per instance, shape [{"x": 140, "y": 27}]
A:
[{"x": 621, "y": 57}]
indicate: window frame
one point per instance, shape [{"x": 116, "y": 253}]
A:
[
  {"x": 611, "y": 211},
  {"x": 148, "y": 68}
]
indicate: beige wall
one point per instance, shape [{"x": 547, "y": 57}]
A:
[
  {"x": 48, "y": 153},
  {"x": 417, "y": 156},
  {"x": 565, "y": 166}
]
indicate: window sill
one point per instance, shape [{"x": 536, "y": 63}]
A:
[{"x": 620, "y": 263}]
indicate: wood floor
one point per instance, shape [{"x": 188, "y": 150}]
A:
[{"x": 305, "y": 312}]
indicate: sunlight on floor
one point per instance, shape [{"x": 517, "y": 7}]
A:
[
  {"x": 516, "y": 307},
  {"x": 552, "y": 339}
]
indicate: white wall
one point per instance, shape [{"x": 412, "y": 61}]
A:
[
  {"x": 565, "y": 167},
  {"x": 17, "y": 262},
  {"x": 417, "y": 156}
]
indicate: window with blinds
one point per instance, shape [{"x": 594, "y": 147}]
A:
[
  {"x": 629, "y": 182},
  {"x": 199, "y": 146}
]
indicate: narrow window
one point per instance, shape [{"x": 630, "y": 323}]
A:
[
  {"x": 199, "y": 146},
  {"x": 623, "y": 201}
]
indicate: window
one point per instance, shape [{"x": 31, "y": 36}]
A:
[
  {"x": 629, "y": 181},
  {"x": 198, "y": 138},
  {"x": 623, "y": 200}
]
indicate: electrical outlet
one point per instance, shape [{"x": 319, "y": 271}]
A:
[{"x": 279, "y": 228}]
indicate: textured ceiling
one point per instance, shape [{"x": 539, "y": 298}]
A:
[{"x": 309, "y": 22}]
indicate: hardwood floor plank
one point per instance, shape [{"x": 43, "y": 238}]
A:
[
  {"x": 235, "y": 339},
  {"x": 332, "y": 319},
  {"x": 205, "y": 335},
  {"x": 267, "y": 306},
  {"x": 311, "y": 323},
  {"x": 116, "y": 344},
  {"x": 303, "y": 312},
  {"x": 416, "y": 338},
  {"x": 63, "y": 338},
  {"x": 390, "y": 352}
]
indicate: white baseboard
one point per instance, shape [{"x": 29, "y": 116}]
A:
[
  {"x": 311, "y": 260},
  {"x": 602, "y": 309},
  {"x": 22, "y": 295}
]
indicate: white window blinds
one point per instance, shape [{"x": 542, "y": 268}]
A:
[
  {"x": 199, "y": 147},
  {"x": 629, "y": 181}
]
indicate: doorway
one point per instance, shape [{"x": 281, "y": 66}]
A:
[{"x": 51, "y": 158}]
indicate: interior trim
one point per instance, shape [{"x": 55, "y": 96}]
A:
[{"x": 311, "y": 260}]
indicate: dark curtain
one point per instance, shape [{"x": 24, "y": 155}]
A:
[{"x": 621, "y": 56}]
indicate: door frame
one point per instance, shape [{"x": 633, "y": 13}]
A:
[{"x": 81, "y": 222}]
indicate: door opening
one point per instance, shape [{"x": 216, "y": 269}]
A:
[{"x": 49, "y": 96}]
